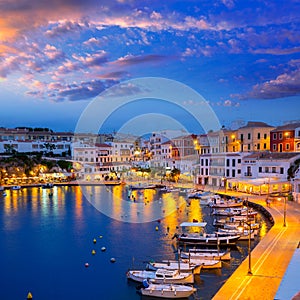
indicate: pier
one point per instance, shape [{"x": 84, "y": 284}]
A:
[{"x": 269, "y": 259}]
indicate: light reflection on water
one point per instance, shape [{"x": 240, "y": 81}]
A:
[{"x": 64, "y": 224}]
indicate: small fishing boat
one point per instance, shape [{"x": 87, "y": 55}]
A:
[
  {"x": 168, "y": 291},
  {"x": 221, "y": 203},
  {"x": 161, "y": 276},
  {"x": 203, "y": 238},
  {"x": 229, "y": 211},
  {"x": 174, "y": 265},
  {"x": 47, "y": 185},
  {"x": 205, "y": 263},
  {"x": 206, "y": 254}
]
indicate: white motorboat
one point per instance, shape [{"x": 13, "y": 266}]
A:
[
  {"x": 229, "y": 211},
  {"x": 174, "y": 265},
  {"x": 244, "y": 233},
  {"x": 168, "y": 291},
  {"x": 48, "y": 185},
  {"x": 161, "y": 276},
  {"x": 203, "y": 238},
  {"x": 221, "y": 203},
  {"x": 206, "y": 254},
  {"x": 206, "y": 263}
]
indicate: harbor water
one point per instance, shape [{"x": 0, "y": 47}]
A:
[{"x": 47, "y": 238}]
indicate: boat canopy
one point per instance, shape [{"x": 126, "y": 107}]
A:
[{"x": 193, "y": 224}]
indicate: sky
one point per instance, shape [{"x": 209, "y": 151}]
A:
[{"x": 56, "y": 57}]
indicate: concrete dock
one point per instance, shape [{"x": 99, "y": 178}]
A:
[{"x": 269, "y": 259}]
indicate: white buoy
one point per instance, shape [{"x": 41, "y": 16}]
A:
[
  {"x": 112, "y": 260},
  {"x": 86, "y": 265},
  {"x": 103, "y": 249}
]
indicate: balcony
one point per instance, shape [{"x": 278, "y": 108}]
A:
[{"x": 248, "y": 174}]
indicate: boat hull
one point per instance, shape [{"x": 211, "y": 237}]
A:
[
  {"x": 168, "y": 291},
  {"x": 173, "y": 265},
  {"x": 201, "y": 240},
  {"x": 207, "y": 255},
  {"x": 139, "y": 276}
]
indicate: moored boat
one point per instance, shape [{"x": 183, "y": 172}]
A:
[
  {"x": 207, "y": 254},
  {"x": 168, "y": 291},
  {"x": 161, "y": 276},
  {"x": 47, "y": 185},
  {"x": 185, "y": 267},
  {"x": 203, "y": 238}
]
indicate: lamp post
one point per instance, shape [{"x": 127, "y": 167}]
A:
[
  {"x": 284, "y": 212},
  {"x": 249, "y": 241}
]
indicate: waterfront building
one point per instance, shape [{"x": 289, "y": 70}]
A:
[
  {"x": 286, "y": 138},
  {"x": 264, "y": 173},
  {"x": 216, "y": 168},
  {"x": 255, "y": 136}
]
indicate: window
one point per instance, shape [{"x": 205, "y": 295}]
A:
[
  {"x": 227, "y": 162},
  {"x": 273, "y": 169},
  {"x": 259, "y": 169},
  {"x": 258, "y": 146},
  {"x": 265, "y": 146},
  {"x": 265, "y": 136},
  {"x": 287, "y": 146},
  {"x": 239, "y": 171},
  {"x": 281, "y": 170},
  {"x": 242, "y": 137},
  {"x": 227, "y": 173},
  {"x": 266, "y": 169},
  {"x": 274, "y": 147},
  {"x": 249, "y": 136},
  {"x": 233, "y": 162},
  {"x": 258, "y": 135},
  {"x": 274, "y": 136},
  {"x": 249, "y": 146},
  {"x": 239, "y": 161},
  {"x": 233, "y": 173},
  {"x": 280, "y": 135}
]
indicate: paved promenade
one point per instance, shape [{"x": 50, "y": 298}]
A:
[{"x": 269, "y": 259}]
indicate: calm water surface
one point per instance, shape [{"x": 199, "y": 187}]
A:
[{"x": 46, "y": 241}]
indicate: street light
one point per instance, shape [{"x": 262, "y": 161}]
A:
[
  {"x": 249, "y": 240},
  {"x": 284, "y": 212}
]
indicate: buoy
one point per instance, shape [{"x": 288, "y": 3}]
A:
[
  {"x": 103, "y": 249},
  {"x": 93, "y": 252},
  {"x": 156, "y": 228},
  {"x": 95, "y": 241},
  {"x": 29, "y": 296},
  {"x": 86, "y": 265},
  {"x": 112, "y": 260}
]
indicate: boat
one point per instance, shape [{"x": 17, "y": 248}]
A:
[
  {"x": 203, "y": 238},
  {"x": 244, "y": 234},
  {"x": 48, "y": 185},
  {"x": 141, "y": 186},
  {"x": 235, "y": 222},
  {"x": 206, "y": 263},
  {"x": 170, "y": 189},
  {"x": 175, "y": 265},
  {"x": 221, "y": 203},
  {"x": 16, "y": 187},
  {"x": 229, "y": 211},
  {"x": 207, "y": 254},
  {"x": 168, "y": 291},
  {"x": 161, "y": 276}
]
